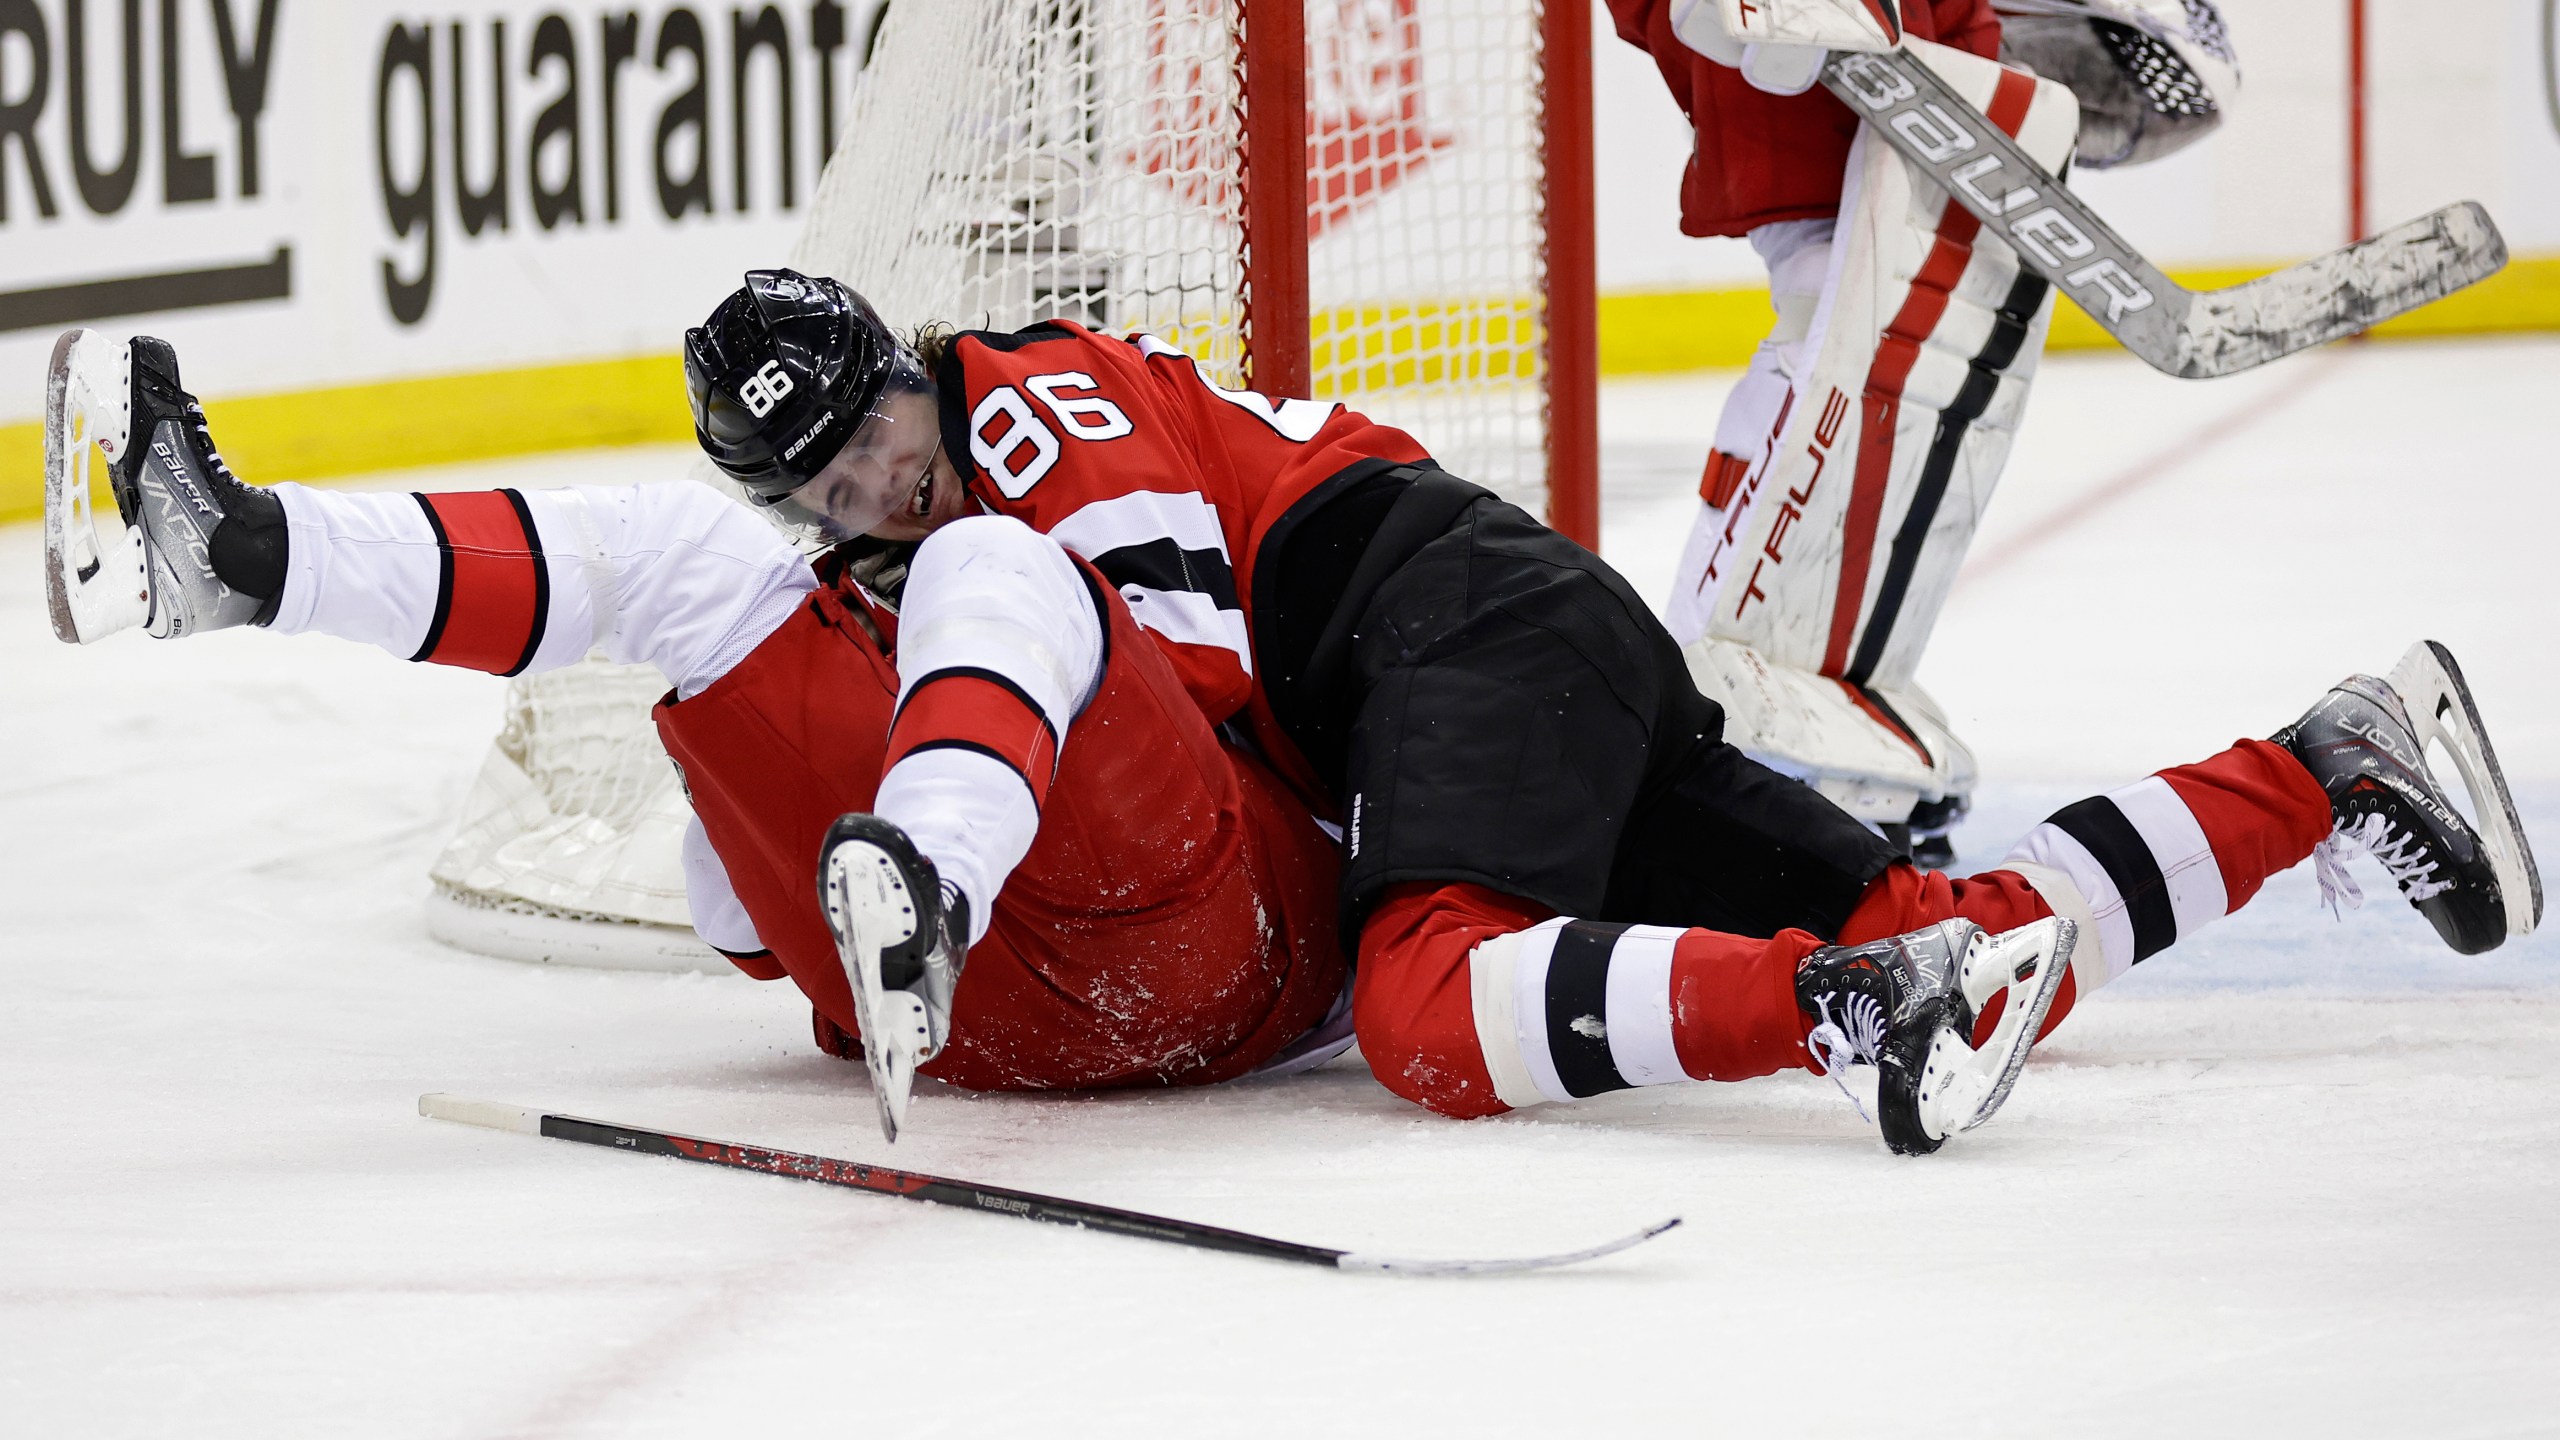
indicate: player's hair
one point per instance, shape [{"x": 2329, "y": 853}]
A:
[{"x": 932, "y": 341}]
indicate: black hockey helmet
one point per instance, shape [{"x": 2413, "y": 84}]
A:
[{"x": 790, "y": 374}]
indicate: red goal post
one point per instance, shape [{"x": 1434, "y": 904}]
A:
[{"x": 1275, "y": 88}]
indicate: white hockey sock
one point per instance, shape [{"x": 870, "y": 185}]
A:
[{"x": 362, "y": 567}]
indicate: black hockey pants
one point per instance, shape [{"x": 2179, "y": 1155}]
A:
[{"x": 1494, "y": 704}]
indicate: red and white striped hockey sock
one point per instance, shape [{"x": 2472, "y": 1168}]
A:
[
  {"x": 1469, "y": 1003},
  {"x": 2145, "y": 866},
  {"x": 1575, "y": 1008},
  {"x": 1569, "y": 1009}
]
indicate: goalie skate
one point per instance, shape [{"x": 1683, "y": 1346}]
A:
[
  {"x": 895, "y": 926},
  {"x": 1908, "y": 1006}
]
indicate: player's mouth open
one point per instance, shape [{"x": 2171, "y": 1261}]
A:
[{"x": 922, "y": 505}]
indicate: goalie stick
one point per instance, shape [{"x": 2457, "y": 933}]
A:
[
  {"x": 2193, "y": 334},
  {"x": 1022, "y": 1204}
]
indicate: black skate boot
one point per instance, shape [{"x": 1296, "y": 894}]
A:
[
  {"x": 203, "y": 551},
  {"x": 2366, "y": 744},
  {"x": 1907, "y": 1006},
  {"x": 903, "y": 935}
]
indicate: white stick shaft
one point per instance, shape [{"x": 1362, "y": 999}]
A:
[{"x": 488, "y": 1114}]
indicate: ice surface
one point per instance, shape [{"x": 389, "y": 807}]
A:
[{"x": 2299, "y": 1176}]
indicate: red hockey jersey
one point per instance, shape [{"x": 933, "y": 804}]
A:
[
  {"x": 1121, "y": 450},
  {"x": 1761, "y": 158},
  {"x": 1173, "y": 923}
]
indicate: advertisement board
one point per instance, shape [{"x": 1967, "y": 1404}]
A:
[{"x": 386, "y": 234}]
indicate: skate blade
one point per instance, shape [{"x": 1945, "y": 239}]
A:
[
  {"x": 869, "y": 910},
  {"x": 2440, "y": 706},
  {"x": 94, "y": 586},
  {"x": 1962, "y": 1085}
]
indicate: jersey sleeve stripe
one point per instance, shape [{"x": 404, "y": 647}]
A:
[
  {"x": 493, "y": 586},
  {"x": 1187, "y": 618},
  {"x": 1167, "y": 555},
  {"x": 1139, "y": 518},
  {"x": 1165, "y": 565}
]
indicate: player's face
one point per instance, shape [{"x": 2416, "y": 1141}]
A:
[
  {"x": 884, "y": 475},
  {"x": 938, "y": 500}
]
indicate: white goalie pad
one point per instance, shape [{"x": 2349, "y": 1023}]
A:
[
  {"x": 1843, "y": 543},
  {"x": 95, "y": 584},
  {"x": 1875, "y": 753},
  {"x": 1832, "y": 563},
  {"x": 1779, "y": 45}
]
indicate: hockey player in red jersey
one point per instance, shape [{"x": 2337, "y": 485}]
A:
[
  {"x": 1560, "y": 879},
  {"x": 1854, "y": 458}
]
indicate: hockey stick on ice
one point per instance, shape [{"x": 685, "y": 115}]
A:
[
  {"x": 1022, "y": 1204},
  {"x": 2194, "y": 334}
]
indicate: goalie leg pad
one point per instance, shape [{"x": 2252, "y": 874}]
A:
[
  {"x": 1923, "y": 345},
  {"x": 1875, "y": 753},
  {"x": 1798, "y": 254}
]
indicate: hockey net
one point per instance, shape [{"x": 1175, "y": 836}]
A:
[{"x": 1126, "y": 163}]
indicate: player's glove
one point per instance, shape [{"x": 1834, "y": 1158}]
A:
[{"x": 1779, "y": 45}]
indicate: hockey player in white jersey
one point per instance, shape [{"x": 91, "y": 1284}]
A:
[{"x": 1853, "y": 461}]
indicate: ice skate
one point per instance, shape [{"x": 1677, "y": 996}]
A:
[
  {"x": 200, "y": 550},
  {"x": 1907, "y": 1005},
  {"x": 2366, "y": 743},
  {"x": 902, "y": 935},
  {"x": 1933, "y": 823}
]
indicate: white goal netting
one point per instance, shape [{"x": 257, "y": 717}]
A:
[{"x": 1007, "y": 161}]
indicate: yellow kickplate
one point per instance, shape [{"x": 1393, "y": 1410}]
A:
[
  {"x": 398, "y": 424},
  {"x": 444, "y": 419}
]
